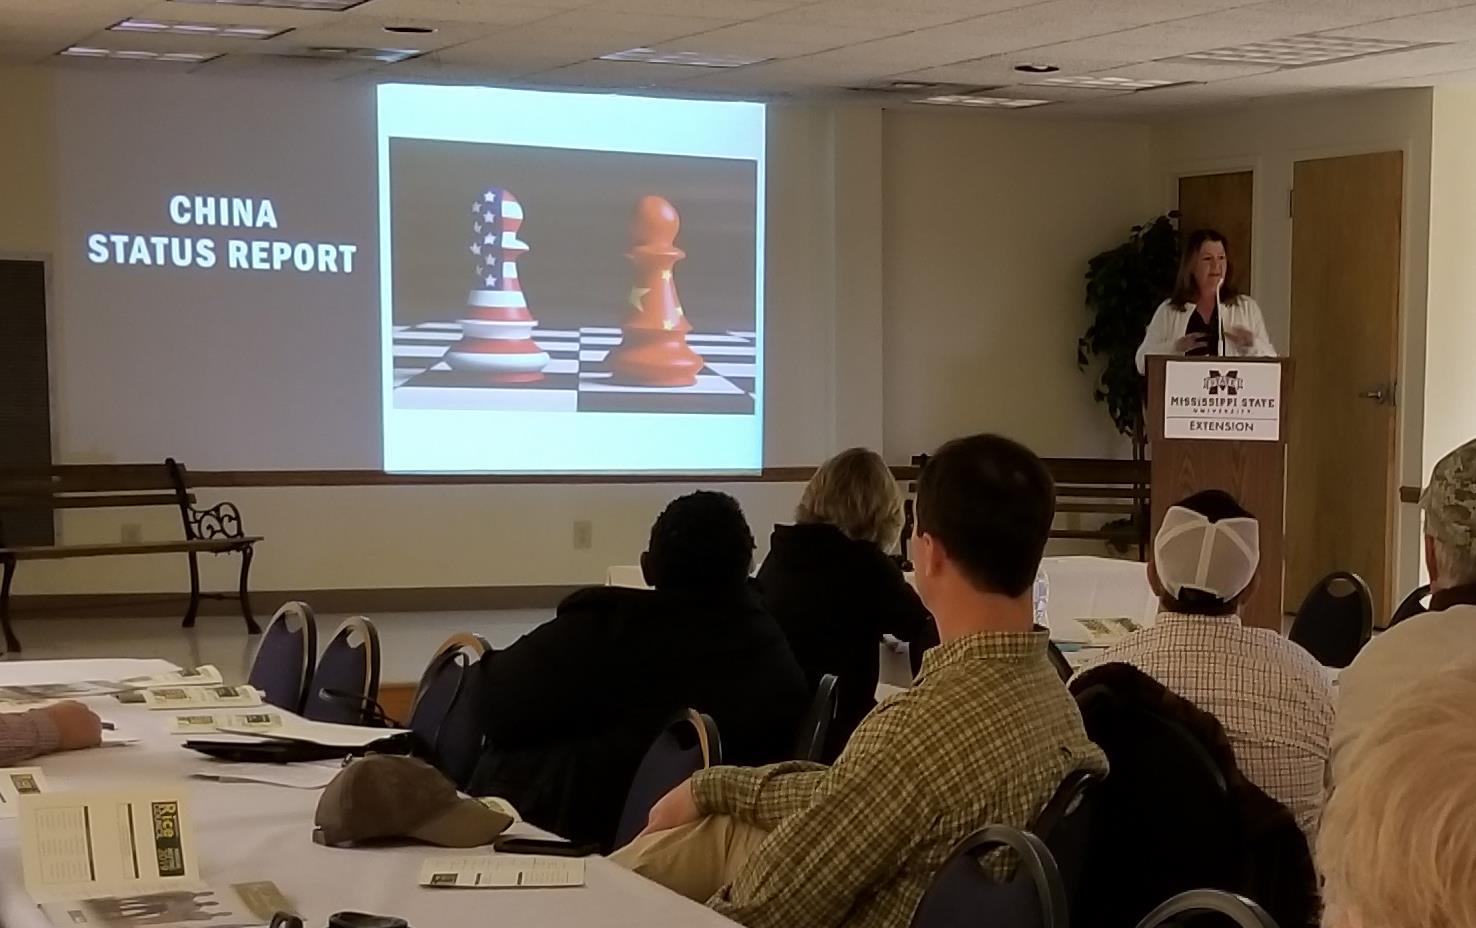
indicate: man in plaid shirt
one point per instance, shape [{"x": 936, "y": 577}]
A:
[{"x": 985, "y": 735}]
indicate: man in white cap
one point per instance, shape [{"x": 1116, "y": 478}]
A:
[
  {"x": 1272, "y": 697},
  {"x": 1425, "y": 644}
]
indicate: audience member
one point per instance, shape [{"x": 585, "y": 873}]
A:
[
  {"x": 573, "y": 705},
  {"x": 1273, "y": 699},
  {"x": 831, "y": 585},
  {"x": 65, "y": 726},
  {"x": 1398, "y": 842},
  {"x": 1423, "y": 644},
  {"x": 985, "y": 735}
]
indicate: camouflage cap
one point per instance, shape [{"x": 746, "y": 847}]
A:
[{"x": 1449, "y": 502}]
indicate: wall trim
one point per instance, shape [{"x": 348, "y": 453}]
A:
[{"x": 265, "y": 602}]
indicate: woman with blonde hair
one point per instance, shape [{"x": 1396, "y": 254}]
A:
[
  {"x": 1397, "y": 847},
  {"x": 832, "y": 585}
]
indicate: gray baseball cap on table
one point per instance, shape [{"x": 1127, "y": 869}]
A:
[
  {"x": 1449, "y": 502},
  {"x": 390, "y": 796}
]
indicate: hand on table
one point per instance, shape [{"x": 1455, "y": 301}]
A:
[
  {"x": 1191, "y": 342},
  {"x": 76, "y": 725},
  {"x": 1240, "y": 335},
  {"x": 676, "y": 808}
]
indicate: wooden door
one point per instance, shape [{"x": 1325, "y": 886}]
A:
[
  {"x": 1223, "y": 202},
  {"x": 1341, "y": 486}
]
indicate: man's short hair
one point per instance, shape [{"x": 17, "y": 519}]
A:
[
  {"x": 700, "y": 541},
  {"x": 990, "y": 502},
  {"x": 1214, "y": 505},
  {"x": 1397, "y": 843}
]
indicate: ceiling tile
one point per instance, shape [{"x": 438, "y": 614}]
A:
[
  {"x": 727, "y": 10},
  {"x": 893, "y": 16},
  {"x": 284, "y": 66},
  {"x": 470, "y": 11},
  {"x": 367, "y": 32},
  {"x": 1000, "y": 69},
  {"x": 634, "y": 75},
  {"x": 1446, "y": 26},
  {"x": 765, "y": 39}
]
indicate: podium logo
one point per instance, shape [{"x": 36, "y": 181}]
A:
[{"x": 1229, "y": 383}]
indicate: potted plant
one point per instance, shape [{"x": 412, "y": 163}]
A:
[{"x": 1123, "y": 288}]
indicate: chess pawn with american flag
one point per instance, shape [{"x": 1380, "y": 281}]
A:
[
  {"x": 653, "y": 349},
  {"x": 497, "y": 329}
]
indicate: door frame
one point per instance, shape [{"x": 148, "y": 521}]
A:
[{"x": 1406, "y": 558}]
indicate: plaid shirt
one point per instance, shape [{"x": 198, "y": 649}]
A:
[
  {"x": 1273, "y": 698},
  {"x": 985, "y": 736}
]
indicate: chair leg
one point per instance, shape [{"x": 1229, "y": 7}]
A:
[
  {"x": 194, "y": 607},
  {"x": 245, "y": 593},
  {"x": 12, "y": 643}
]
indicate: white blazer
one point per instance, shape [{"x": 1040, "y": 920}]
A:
[{"x": 1169, "y": 324}]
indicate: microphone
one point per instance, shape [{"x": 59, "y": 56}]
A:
[{"x": 374, "y": 714}]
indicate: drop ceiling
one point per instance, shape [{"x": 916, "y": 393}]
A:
[{"x": 1188, "y": 53}]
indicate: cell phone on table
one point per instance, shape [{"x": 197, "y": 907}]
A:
[{"x": 553, "y": 847}]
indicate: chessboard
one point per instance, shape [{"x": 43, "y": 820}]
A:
[{"x": 577, "y": 378}]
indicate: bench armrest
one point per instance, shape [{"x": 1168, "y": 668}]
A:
[{"x": 220, "y": 521}]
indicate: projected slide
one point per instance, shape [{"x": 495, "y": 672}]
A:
[{"x": 570, "y": 282}]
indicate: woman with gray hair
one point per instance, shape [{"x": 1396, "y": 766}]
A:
[
  {"x": 834, "y": 589},
  {"x": 1398, "y": 841}
]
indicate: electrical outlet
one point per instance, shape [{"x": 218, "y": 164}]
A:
[
  {"x": 583, "y": 535},
  {"x": 132, "y": 533}
]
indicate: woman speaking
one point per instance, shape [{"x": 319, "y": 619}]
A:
[{"x": 1206, "y": 316}]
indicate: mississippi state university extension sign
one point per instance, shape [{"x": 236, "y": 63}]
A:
[{"x": 1222, "y": 399}]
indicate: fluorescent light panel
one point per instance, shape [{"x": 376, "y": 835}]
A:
[
  {"x": 125, "y": 54},
  {"x": 963, "y": 99},
  {"x": 1103, "y": 82},
  {"x": 1302, "y": 50},
  {"x": 161, "y": 27},
  {"x": 332, "y": 5},
  {"x": 691, "y": 59},
  {"x": 385, "y": 55}
]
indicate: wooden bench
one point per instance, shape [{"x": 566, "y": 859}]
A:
[
  {"x": 216, "y": 530},
  {"x": 1093, "y": 486}
]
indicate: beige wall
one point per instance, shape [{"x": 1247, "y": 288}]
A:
[
  {"x": 989, "y": 223},
  {"x": 1450, "y": 336},
  {"x": 1270, "y": 139},
  {"x": 26, "y": 157}
]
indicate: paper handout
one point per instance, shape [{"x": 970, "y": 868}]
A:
[
  {"x": 85, "y": 845},
  {"x": 202, "y": 697},
  {"x": 502, "y": 871}
]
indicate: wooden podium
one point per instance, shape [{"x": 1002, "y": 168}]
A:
[{"x": 1222, "y": 424}]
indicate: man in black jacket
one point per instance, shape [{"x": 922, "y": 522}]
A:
[{"x": 573, "y": 705}]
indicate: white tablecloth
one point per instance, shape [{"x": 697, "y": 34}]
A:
[{"x": 248, "y": 832}]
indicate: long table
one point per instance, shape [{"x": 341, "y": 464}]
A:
[{"x": 247, "y": 832}]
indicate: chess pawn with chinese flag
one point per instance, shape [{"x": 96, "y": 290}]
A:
[
  {"x": 653, "y": 348},
  {"x": 497, "y": 329}
]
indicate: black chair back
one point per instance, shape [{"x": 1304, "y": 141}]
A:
[
  {"x": 1065, "y": 825},
  {"x": 966, "y": 894},
  {"x": 1335, "y": 621},
  {"x": 1165, "y": 797},
  {"x": 445, "y": 719},
  {"x": 345, "y": 687},
  {"x": 815, "y": 727},
  {"x": 687, "y": 744},
  {"x": 1059, "y": 662},
  {"x": 283, "y": 665},
  {"x": 1197, "y": 903},
  {"x": 1416, "y": 603}
]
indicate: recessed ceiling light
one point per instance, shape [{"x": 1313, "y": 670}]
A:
[
  {"x": 330, "y": 5},
  {"x": 126, "y": 54},
  {"x": 1037, "y": 68},
  {"x": 964, "y": 99},
  {"x": 1102, "y": 82},
  {"x": 385, "y": 55},
  {"x": 160, "y": 26},
  {"x": 1302, "y": 50},
  {"x": 410, "y": 30},
  {"x": 690, "y": 59}
]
